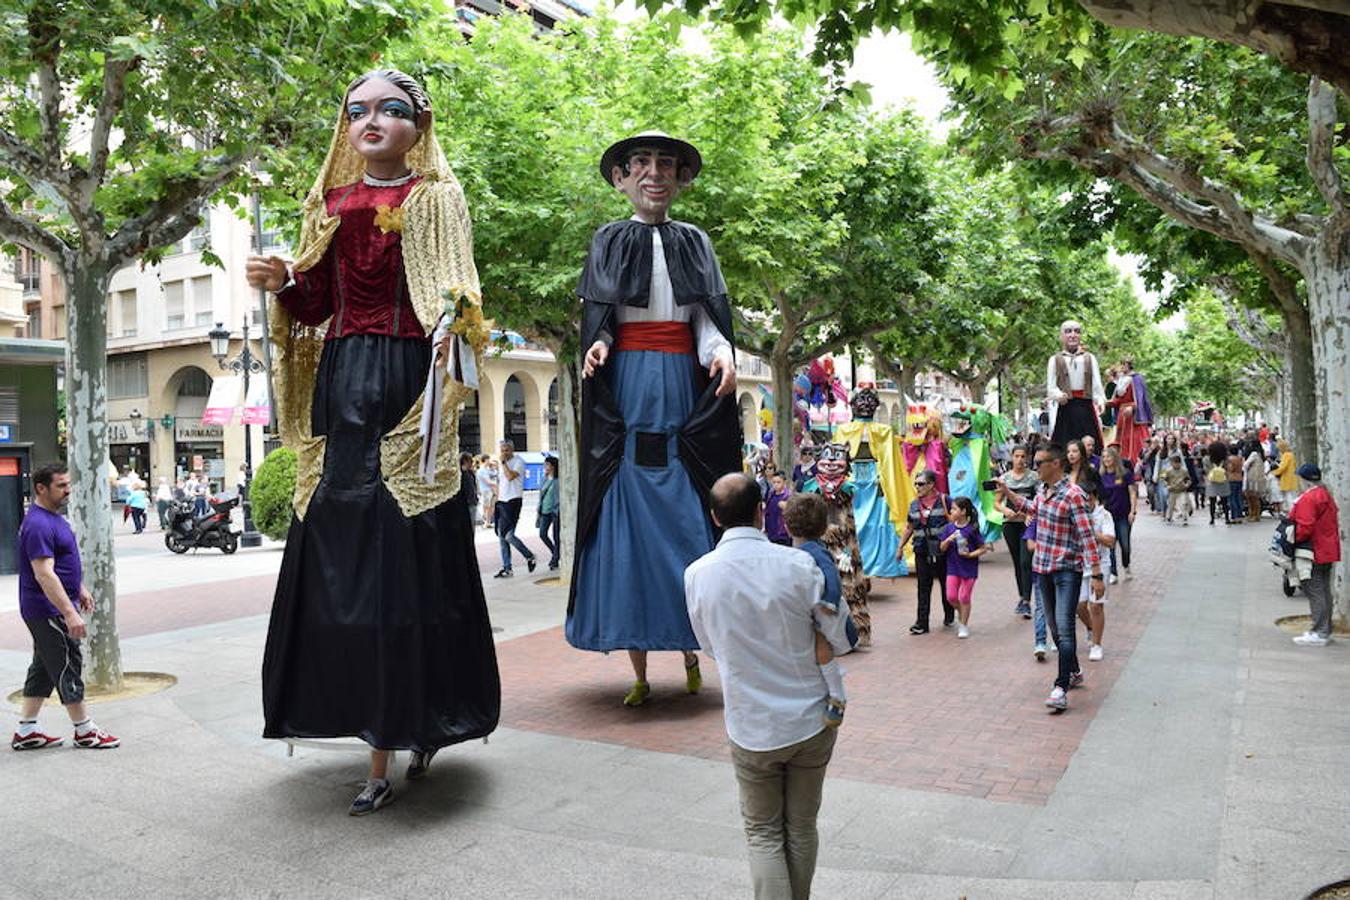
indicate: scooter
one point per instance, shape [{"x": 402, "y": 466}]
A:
[{"x": 214, "y": 529}]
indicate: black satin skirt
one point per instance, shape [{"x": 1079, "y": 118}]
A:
[{"x": 379, "y": 626}]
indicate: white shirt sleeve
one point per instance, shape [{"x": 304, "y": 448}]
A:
[
  {"x": 710, "y": 342},
  {"x": 1052, "y": 391},
  {"x": 1098, "y": 389}
]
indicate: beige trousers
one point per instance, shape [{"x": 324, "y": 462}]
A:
[{"x": 780, "y": 797}]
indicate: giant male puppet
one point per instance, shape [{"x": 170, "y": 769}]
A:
[
  {"x": 1073, "y": 385},
  {"x": 658, "y": 414}
]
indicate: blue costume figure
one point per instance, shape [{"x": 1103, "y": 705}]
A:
[
  {"x": 882, "y": 490},
  {"x": 658, "y": 415},
  {"x": 974, "y": 430}
]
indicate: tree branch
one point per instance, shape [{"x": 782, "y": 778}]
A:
[
  {"x": 160, "y": 221},
  {"x": 45, "y": 46},
  {"x": 24, "y": 160},
  {"x": 1321, "y": 144},
  {"x": 1252, "y": 229},
  {"x": 114, "y": 93},
  {"x": 1177, "y": 190},
  {"x": 829, "y": 345},
  {"x": 21, "y": 230}
]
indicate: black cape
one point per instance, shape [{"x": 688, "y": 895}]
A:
[{"x": 618, "y": 272}]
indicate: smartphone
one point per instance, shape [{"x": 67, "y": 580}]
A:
[{"x": 990, "y": 485}]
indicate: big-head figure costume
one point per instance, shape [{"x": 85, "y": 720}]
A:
[
  {"x": 923, "y": 447},
  {"x": 654, "y": 434},
  {"x": 1134, "y": 412},
  {"x": 1073, "y": 386},
  {"x": 974, "y": 430},
  {"x": 883, "y": 490},
  {"x": 832, "y": 482},
  {"x": 379, "y": 628}
]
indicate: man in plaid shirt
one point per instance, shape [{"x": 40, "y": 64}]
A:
[{"x": 1065, "y": 549}]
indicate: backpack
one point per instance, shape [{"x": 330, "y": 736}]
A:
[{"x": 1218, "y": 475}]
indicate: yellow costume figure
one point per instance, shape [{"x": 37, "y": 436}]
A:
[{"x": 883, "y": 489}]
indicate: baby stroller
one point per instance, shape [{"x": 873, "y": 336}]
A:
[{"x": 1294, "y": 561}]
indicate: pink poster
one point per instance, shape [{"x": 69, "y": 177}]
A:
[
  {"x": 257, "y": 410},
  {"x": 224, "y": 398}
]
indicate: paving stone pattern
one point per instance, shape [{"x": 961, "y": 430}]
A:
[{"x": 932, "y": 712}]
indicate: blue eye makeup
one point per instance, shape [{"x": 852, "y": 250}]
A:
[
  {"x": 356, "y": 111},
  {"x": 397, "y": 109}
]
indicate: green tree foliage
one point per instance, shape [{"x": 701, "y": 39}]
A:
[{"x": 270, "y": 493}]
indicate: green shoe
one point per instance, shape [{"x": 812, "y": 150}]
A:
[
  {"x": 638, "y": 695},
  {"x": 693, "y": 678}
]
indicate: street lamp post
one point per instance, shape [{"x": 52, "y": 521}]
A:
[{"x": 246, "y": 364}]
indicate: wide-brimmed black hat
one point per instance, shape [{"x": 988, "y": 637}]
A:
[{"x": 659, "y": 140}]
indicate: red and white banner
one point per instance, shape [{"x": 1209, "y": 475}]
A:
[
  {"x": 257, "y": 409},
  {"x": 223, "y": 400}
]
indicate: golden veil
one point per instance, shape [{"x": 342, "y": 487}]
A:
[{"x": 442, "y": 278}]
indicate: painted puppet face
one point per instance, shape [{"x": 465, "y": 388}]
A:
[
  {"x": 382, "y": 124},
  {"x": 652, "y": 182},
  {"x": 1071, "y": 336},
  {"x": 833, "y": 461},
  {"x": 865, "y": 403}
]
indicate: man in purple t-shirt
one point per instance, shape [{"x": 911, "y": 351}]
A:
[{"x": 50, "y": 586}]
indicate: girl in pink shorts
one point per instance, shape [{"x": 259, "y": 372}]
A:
[{"x": 962, "y": 543}]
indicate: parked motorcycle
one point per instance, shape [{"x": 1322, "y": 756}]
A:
[{"x": 214, "y": 529}]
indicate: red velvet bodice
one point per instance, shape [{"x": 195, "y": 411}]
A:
[{"x": 359, "y": 284}]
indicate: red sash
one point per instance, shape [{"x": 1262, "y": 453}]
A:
[{"x": 663, "y": 337}]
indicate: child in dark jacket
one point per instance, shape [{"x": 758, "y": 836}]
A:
[{"x": 806, "y": 517}]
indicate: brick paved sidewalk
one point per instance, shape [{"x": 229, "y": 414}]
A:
[{"x": 930, "y": 712}]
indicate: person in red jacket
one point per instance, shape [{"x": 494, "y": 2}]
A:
[{"x": 1316, "y": 519}]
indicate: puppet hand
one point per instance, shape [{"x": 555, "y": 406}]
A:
[
  {"x": 727, "y": 368},
  {"x": 266, "y": 273},
  {"x": 443, "y": 348},
  {"x": 595, "y": 358}
]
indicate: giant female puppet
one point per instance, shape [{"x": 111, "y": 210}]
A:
[
  {"x": 658, "y": 414},
  {"x": 1134, "y": 411},
  {"x": 883, "y": 490},
  {"x": 379, "y": 629}
]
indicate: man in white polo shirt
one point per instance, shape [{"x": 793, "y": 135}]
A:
[
  {"x": 750, "y": 603},
  {"x": 510, "y": 496}
]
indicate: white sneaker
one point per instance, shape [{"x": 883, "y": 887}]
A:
[
  {"x": 1112, "y": 579},
  {"x": 1312, "y": 640},
  {"x": 1039, "y": 652},
  {"x": 1095, "y": 654},
  {"x": 1127, "y": 575},
  {"x": 962, "y": 631},
  {"x": 1057, "y": 699}
]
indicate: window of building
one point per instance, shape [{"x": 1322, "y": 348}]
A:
[
  {"x": 174, "y": 313},
  {"x": 199, "y": 237},
  {"x": 59, "y": 322},
  {"x": 126, "y": 313},
  {"x": 34, "y": 329},
  {"x": 195, "y": 383},
  {"x": 202, "y": 310},
  {"x": 128, "y": 376},
  {"x": 9, "y": 405}
]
